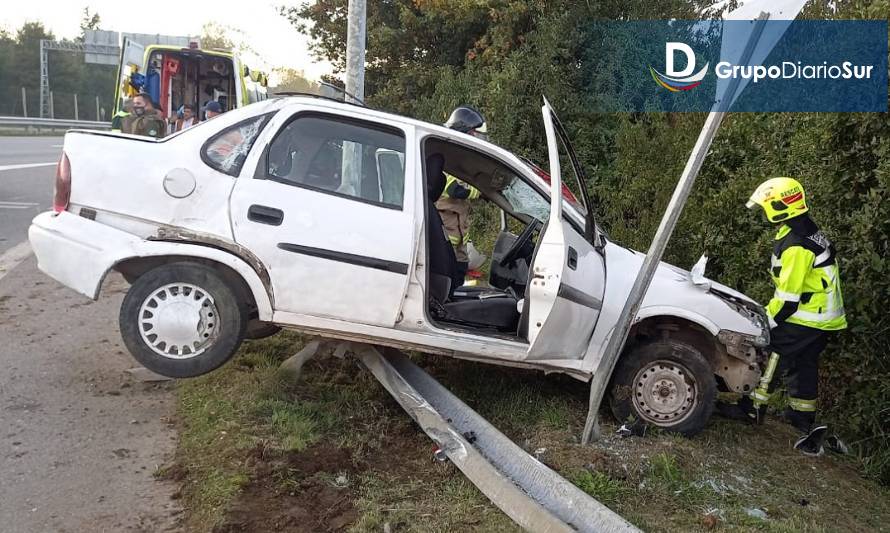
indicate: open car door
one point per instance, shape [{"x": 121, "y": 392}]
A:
[
  {"x": 132, "y": 53},
  {"x": 565, "y": 295}
]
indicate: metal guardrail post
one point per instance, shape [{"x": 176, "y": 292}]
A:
[{"x": 525, "y": 489}]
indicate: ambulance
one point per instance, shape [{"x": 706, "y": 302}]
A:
[{"x": 176, "y": 75}]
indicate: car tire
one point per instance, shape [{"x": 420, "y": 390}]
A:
[
  {"x": 182, "y": 320},
  {"x": 665, "y": 384},
  {"x": 260, "y": 330}
]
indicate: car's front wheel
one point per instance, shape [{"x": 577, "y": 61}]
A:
[
  {"x": 666, "y": 384},
  {"x": 182, "y": 320}
]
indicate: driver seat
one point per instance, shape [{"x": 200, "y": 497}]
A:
[{"x": 469, "y": 306}]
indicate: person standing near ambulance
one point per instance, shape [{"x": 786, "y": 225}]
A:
[
  {"x": 806, "y": 308},
  {"x": 145, "y": 119}
]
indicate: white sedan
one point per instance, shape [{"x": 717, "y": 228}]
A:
[{"x": 319, "y": 216}]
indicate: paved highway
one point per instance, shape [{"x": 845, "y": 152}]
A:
[
  {"x": 79, "y": 438},
  {"x": 27, "y": 173}
]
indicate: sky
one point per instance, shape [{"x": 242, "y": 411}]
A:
[{"x": 276, "y": 42}]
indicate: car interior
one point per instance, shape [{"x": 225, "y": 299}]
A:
[{"x": 495, "y": 307}]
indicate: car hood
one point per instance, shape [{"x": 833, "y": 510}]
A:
[
  {"x": 669, "y": 270},
  {"x": 672, "y": 287}
]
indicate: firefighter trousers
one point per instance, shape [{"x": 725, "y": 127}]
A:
[{"x": 795, "y": 360}]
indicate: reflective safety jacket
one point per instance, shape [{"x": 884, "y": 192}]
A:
[
  {"x": 458, "y": 190},
  {"x": 805, "y": 272},
  {"x": 455, "y": 204}
]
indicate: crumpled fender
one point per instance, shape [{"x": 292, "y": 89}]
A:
[{"x": 79, "y": 253}]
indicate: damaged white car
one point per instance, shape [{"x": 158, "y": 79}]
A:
[{"x": 319, "y": 216}]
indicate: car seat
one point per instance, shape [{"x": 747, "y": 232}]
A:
[{"x": 449, "y": 301}]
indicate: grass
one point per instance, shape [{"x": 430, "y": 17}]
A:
[
  {"x": 224, "y": 415},
  {"x": 249, "y": 421},
  {"x": 599, "y": 485}
]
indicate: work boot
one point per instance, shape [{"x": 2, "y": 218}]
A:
[
  {"x": 811, "y": 443},
  {"x": 756, "y": 413},
  {"x": 732, "y": 411},
  {"x": 802, "y": 421},
  {"x": 743, "y": 411},
  {"x": 836, "y": 445}
]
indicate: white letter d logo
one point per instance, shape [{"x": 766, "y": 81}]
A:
[{"x": 670, "y": 52}]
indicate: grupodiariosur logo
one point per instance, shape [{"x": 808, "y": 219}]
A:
[{"x": 679, "y": 80}]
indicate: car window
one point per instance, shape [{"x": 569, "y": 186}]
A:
[
  {"x": 391, "y": 169},
  {"x": 355, "y": 159},
  {"x": 568, "y": 193},
  {"x": 523, "y": 198},
  {"x": 227, "y": 150}
]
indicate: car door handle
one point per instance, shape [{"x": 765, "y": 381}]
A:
[
  {"x": 573, "y": 258},
  {"x": 265, "y": 215}
]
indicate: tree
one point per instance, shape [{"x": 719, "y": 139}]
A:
[
  {"x": 88, "y": 22},
  {"x": 291, "y": 80},
  {"x": 69, "y": 75},
  {"x": 222, "y": 37}
]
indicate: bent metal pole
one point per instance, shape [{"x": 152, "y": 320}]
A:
[
  {"x": 641, "y": 285},
  {"x": 653, "y": 257}
]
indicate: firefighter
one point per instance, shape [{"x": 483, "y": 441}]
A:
[
  {"x": 454, "y": 204},
  {"x": 145, "y": 119},
  {"x": 806, "y": 308}
]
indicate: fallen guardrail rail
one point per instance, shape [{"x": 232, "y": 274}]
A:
[
  {"x": 529, "y": 492},
  {"x": 51, "y": 123}
]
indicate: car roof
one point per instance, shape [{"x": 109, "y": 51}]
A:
[
  {"x": 436, "y": 129},
  {"x": 327, "y": 102}
]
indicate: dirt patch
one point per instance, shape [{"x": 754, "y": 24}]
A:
[{"x": 308, "y": 491}]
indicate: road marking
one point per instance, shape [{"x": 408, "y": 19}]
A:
[
  {"x": 18, "y": 205},
  {"x": 12, "y": 257},
  {"x": 26, "y": 165},
  {"x": 57, "y": 146}
]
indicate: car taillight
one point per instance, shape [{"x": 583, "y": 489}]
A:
[{"x": 62, "y": 193}]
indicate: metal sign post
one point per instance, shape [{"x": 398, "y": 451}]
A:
[
  {"x": 355, "y": 90},
  {"x": 355, "y": 50},
  {"x": 662, "y": 236}
]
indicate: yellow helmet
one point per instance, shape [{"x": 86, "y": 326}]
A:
[{"x": 780, "y": 198}]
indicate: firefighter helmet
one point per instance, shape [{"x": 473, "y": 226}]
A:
[
  {"x": 465, "y": 119},
  {"x": 780, "y": 198}
]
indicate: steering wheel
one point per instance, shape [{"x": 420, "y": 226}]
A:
[{"x": 524, "y": 238}]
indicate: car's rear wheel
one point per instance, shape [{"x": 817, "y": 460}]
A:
[
  {"x": 182, "y": 320},
  {"x": 665, "y": 384}
]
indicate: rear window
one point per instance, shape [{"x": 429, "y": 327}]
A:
[{"x": 227, "y": 150}]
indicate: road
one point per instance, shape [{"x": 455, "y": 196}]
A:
[
  {"x": 80, "y": 439},
  {"x": 25, "y": 190}
]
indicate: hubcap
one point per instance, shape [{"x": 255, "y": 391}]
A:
[
  {"x": 665, "y": 393},
  {"x": 178, "y": 321}
]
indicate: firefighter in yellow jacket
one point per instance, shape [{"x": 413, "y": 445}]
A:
[
  {"x": 454, "y": 204},
  {"x": 806, "y": 308}
]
